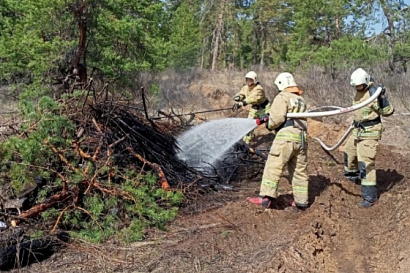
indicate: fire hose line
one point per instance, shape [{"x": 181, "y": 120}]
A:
[
  {"x": 337, "y": 112},
  {"x": 343, "y": 138}
]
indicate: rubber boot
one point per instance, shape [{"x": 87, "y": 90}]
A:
[
  {"x": 265, "y": 201},
  {"x": 353, "y": 177},
  {"x": 369, "y": 195},
  {"x": 296, "y": 207}
]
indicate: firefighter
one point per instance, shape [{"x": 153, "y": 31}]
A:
[
  {"x": 361, "y": 147},
  {"x": 289, "y": 146},
  {"x": 253, "y": 94}
]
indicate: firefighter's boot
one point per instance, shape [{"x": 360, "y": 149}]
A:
[
  {"x": 295, "y": 207},
  {"x": 353, "y": 177},
  {"x": 369, "y": 195},
  {"x": 265, "y": 201}
]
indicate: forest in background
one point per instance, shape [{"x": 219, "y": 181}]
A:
[{"x": 41, "y": 42}]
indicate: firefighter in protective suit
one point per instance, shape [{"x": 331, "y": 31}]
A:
[
  {"x": 289, "y": 146},
  {"x": 252, "y": 93},
  {"x": 361, "y": 147}
]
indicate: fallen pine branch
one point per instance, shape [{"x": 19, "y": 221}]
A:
[
  {"x": 157, "y": 168},
  {"x": 39, "y": 208}
]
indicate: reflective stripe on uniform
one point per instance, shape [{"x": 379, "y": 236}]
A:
[
  {"x": 253, "y": 113},
  {"x": 247, "y": 138},
  {"x": 386, "y": 109},
  {"x": 270, "y": 184},
  {"x": 365, "y": 113},
  {"x": 300, "y": 189},
  {"x": 369, "y": 134},
  {"x": 289, "y": 136},
  {"x": 267, "y": 109},
  {"x": 368, "y": 183},
  {"x": 351, "y": 170}
]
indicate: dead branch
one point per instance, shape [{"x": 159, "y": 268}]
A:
[
  {"x": 145, "y": 109},
  {"x": 110, "y": 150},
  {"x": 98, "y": 150},
  {"x": 162, "y": 179},
  {"x": 97, "y": 126},
  {"x": 47, "y": 169},
  {"x": 79, "y": 151},
  {"x": 61, "y": 156},
  {"x": 39, "y": 208},
  {"x": 114, "y": 192},
  {"x": 59, "y": 218},
  {"x": 91, "y": 216}
]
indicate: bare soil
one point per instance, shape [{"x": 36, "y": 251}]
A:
[{"x": 220, "y": 232}]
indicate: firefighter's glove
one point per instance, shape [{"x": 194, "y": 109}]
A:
[
  {"x": 237, "y": 98},
  {"x": 383, "y": 93},
  {"x": 238, "y": 105},
  {"x": 373, "y": 90}
]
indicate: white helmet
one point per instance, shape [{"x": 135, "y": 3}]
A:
[
  {"x": 359, "y": 77},
  {"x": 284, "y": 80},
  {"x": 251, "y": 75}
]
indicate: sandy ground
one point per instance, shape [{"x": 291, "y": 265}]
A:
[{"x": 220, "y": 232}]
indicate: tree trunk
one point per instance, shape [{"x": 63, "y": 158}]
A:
[
  {"x": 203, "y": 53},
  {"x": 392, "y": 33},
  {"x": 263, "y": 44},
  {"x": 80, "y": 70},
  {"x": 217, "y": 35}
]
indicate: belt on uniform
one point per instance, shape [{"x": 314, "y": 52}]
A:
[
  {"x": 260, "y": 106},
  {"x": 362, "y": 124},
  {"x": 287, "y": 123}
]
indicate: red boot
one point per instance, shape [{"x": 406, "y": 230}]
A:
[
  {"x": 295, "y": 207},
  {"x": 265, "y": 201}
]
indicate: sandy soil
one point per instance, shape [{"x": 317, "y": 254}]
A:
[{"x": 221, "y": 232}]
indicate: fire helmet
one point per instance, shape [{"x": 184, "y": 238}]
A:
[
  {"x": 359, "y": 77},
  {"x": 284, "y": 80},
  {"x": 251, "y": 75}
]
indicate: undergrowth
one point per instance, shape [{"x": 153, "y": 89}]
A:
[{"x": 132, "y": 203}]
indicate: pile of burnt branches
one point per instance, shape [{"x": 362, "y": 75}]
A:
[
  {"x": 139, "y": 142},
  {"x": 18, "y": 250},
  {"x": 111, "y": 138}
]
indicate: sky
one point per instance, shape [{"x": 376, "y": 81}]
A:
[{"x": 377, "y": 28}]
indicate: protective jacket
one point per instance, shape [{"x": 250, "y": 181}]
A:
[
  {"x": 254, "y": 95},
  {"x": 287, "y": 147},
  {"x": 361, "y": 147},
  {"x": 367, "y": 120},
  {"x": 288, "y": 101}
]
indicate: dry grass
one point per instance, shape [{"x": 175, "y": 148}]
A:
[
  {"x": 195, "y": 90},
  {"x": 321, "y": 89}
]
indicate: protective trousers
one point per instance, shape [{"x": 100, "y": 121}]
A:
[
  {"x": 254, "y": 114},
  {"x": 359, "y": 159},
  {"x": 291, "y": 154}
]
